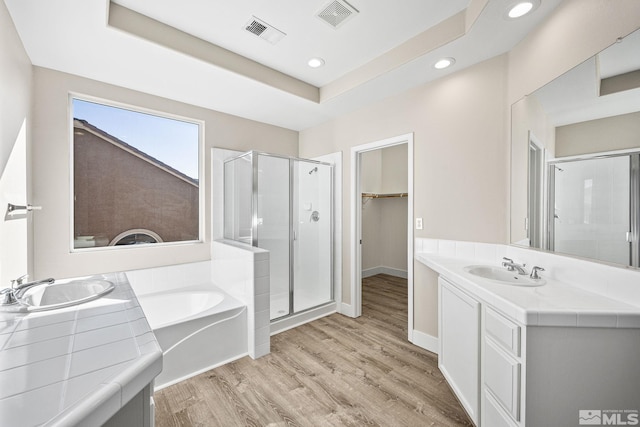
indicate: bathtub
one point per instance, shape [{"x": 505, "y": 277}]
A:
[{"x": 198, "y": 328}]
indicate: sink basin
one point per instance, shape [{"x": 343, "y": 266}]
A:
[
  {"x": 59, "y": 295},
  {"x": 502, "y": 275}
]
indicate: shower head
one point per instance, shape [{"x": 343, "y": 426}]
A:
[{"x": 313, "y": 170}]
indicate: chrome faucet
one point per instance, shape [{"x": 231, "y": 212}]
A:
[
  {"x": 18, "y": 288},
  {"x": 534, "y": 272},
  {"x": 513, "y": 266}
]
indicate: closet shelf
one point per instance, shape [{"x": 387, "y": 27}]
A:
[{"x": 382, "y": 196}]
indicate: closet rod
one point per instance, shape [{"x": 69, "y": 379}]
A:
[{"x": 383, "y": 196}]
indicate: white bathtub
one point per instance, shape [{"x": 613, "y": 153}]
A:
[{"x": 198, "y": 328}]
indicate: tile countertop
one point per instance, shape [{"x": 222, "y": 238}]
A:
[
  {"x": 553, "y": 304},
  {"x": 78, "y": 364}
]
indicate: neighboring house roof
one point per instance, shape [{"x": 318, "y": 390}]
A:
[{"x": 83, "y": 124}]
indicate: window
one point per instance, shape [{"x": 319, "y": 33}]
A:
[{"x": 135, "y": 177}]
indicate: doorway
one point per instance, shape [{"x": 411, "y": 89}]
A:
[{"x": 358, "y": 181}]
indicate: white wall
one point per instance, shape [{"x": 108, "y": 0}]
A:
[
  {"x": 461, "y": 161},
  {"x": 461, "y": 126},
  {"x": 528, "y": 119},
  {"x": 51, "y": 173},
  {"x": 15, "y": 119},
  {"x": 384, "y": 220},
  {"x": 394, "y": 169}
]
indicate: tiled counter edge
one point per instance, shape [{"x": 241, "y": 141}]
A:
[
  {"x": 100, "y": 355},
  {"x": 612, "y": 292}
]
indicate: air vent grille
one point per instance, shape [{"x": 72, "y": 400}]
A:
[
  {"x": 337, "y": 13},
  {"x": 256, "y": 28},
  {"x": 263, "y": 30}
]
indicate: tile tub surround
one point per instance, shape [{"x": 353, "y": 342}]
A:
[
  {"x": 76, "y": 365},
  {"x": 242, "y": 271},
  {"x": 578, "y": 293}
]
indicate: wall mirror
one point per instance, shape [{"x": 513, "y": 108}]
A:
[{"x": 575, "y": 160}]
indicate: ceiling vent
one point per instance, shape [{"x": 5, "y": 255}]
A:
[
  {"x": 263, "y": 30},
  {"x": 337, "y": 13}
]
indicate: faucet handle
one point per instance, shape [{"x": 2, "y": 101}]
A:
[
  {"x": 19, "y": 281},
  {"x": 534, "y": 272}
]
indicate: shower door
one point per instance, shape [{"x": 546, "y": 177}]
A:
[
  {"x": 293, "y": 221},
  {"x": 312, "y": 246},
  {"x": 590, "y": 202},
  {"x": 273, "y": 227}
]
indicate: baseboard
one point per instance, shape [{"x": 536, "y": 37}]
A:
[
  {"x": 426, "y": 341},
  {"x": 384, "y": 270},
  {"x": 347, "y": 310}
]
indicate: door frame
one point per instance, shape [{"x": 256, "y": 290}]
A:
[{"x": 356, "y": 222}]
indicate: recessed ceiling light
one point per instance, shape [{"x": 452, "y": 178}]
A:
[
  {"x": 521, "y": 8},
  {"x": 444, "y": 63},
  {"x": 316, "y": 62}
]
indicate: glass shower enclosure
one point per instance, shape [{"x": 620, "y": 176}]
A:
[{"x": 284, "y": 205}]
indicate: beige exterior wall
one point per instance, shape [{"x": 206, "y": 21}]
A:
[
  {"x": 51, "y": 173},
  {"x": 116, "y": 191},
  {"x": 15, "y": 119}
]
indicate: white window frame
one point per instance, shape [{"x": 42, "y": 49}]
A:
[{"x": 140, "y": 109}]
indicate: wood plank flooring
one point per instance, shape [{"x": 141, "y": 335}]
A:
[{"x": 335, "y": 371}]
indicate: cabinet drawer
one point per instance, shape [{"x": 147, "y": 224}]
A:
[
  {"x": 503, "y": 330},
  {"x": 493, "y": 415},
  {"x": 502, "y": 378}
]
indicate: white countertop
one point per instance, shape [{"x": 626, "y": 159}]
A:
[
  {"x": 553, "y": 304},
  {"x": 78, "y": 364}
]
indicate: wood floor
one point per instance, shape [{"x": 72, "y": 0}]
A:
[{"x": 335, "y": 371}]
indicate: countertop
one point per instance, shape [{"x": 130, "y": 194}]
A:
[
  {"x": 78, "y": 364},
  {"x": 553, "y": 304}
]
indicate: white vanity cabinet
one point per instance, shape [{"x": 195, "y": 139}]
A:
[
  {"x": 502, "y": 369},
  {"x": 508, "y": 374},
  {"x": 459, "y": 344},
  {"x": 564, "y": 353},
  {"x": 480, "y": 357}
]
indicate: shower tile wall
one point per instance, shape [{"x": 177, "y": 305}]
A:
[{"x": 243, "y": 272}]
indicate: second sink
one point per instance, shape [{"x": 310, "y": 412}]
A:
[
  {"x": 502, "y": 275},
  {"x": 58, "y": 295}
]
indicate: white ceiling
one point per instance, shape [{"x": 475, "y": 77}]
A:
[{"x": 73, "y": 36}]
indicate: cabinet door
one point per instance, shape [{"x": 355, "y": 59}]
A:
[
  {"x": 502, "y": 378},
  {"x": 459, "y": 331}
]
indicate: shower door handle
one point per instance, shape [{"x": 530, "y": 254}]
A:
[{"x": 295, "y": 235}]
